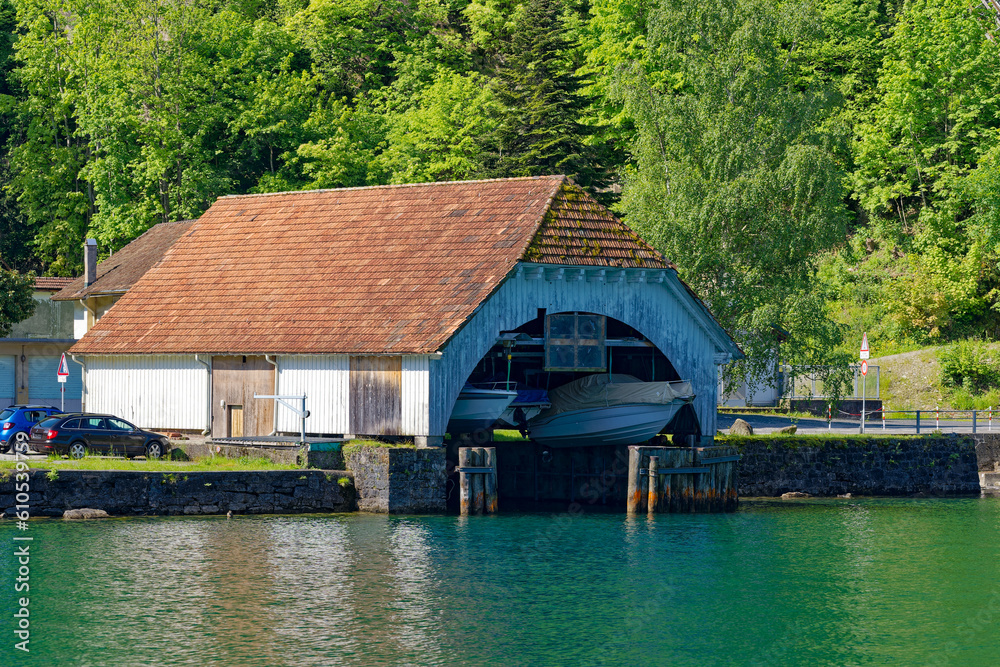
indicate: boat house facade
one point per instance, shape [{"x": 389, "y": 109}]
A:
[{"x": 380, "y": 304}]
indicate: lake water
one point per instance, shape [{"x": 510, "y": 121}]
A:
[{"x": 827, "y": 582}]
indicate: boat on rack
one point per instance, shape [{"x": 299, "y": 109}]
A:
[
  {"x": 614, "y": 409},
  {"x": 528, "y": 403},
  {"x": 479, "y": 407}
]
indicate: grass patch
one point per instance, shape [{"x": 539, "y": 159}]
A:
[
  {"x": 353, "y": 446},
  {"x": 771, "y": 413},
  {"x": 500, "y": 435},
  {"x": 809, "y": 439},
  {"x": 208, "y": 463}
]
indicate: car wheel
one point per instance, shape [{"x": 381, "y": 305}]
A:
[
  {"x": 18, "y": 442},
  {"x": 77, "y": 450},
  {"x": 154, "y": 449}
]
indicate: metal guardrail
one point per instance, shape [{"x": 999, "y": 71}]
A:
[{"x": 946, "y": 421}]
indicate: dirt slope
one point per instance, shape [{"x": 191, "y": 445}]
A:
[{"x": 911, "y": 380}]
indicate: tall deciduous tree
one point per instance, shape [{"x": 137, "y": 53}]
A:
[
  {"x": 447, "y": 135},
  {"x": 731, "y": 178},
  {"x": 938, "y": 112}
]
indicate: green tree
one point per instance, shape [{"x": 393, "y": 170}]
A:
[
  {"x": 46, "y": 162},
  {"x": 534, "y": 80},
  {"x": 16, "y": 299},
  {"x": 938, "y": 112},
  {"x": 732, "y": 178},
  {"x": 446, "y": 135},
  {"x": 141, "y": 111},
  {"x": 15, "y": 234}
]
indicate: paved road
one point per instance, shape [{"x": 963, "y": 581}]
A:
[
  {"x": 31, "y": 456},
  {"x": 769, "y": 423}
]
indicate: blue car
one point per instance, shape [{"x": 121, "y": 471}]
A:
[{"x": 17, "y": 421}]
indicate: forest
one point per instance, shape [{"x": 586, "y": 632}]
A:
[{"x": 815, "y": 169}]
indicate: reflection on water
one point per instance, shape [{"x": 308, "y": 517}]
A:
[{"x": 826, "y": 582}]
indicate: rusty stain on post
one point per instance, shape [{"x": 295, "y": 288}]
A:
[
  {"x": 654, "y": 484},
  {"x": 688, "y": 479},
  {"x": 477, "y": 481},
  {"x": 490, "y": 461},
  {"x": 465, "y": 488},
  {"x": 632, "y": 492}
]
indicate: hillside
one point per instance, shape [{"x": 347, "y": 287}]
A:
[
  {"x": 845, "y": 178},
  {"x": 912, "y": 381}
]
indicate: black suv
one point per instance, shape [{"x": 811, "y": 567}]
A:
[{"x": 79, "y": 433}]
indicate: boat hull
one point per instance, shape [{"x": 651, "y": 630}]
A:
[
  {"x": 512, "y": 419},
  {"x": 615, "y": 425},
  {"x": 478, "y": 409}
]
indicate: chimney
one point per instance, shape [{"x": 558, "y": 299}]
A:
[{"x": 89, "y": 262}]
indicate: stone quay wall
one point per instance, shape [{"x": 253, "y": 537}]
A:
[
  {"x": 988, "y": 453},
  {"x": 156, "y": 493},
  {"x": 399, "y": 480},
  {"x": 867, "y": 466},
  {"x": 289, "y": 453}
]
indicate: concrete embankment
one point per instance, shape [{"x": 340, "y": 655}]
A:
[
  {"x": 393, "y": 480},
  {"x": 869, "y": 466},
  {"x": 407, "y": 480}
]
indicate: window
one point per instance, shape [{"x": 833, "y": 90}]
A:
[
  {"x": 93, "y": 422},
  {"x": 72, "y": 423},
  {"x": 48, "y": 423},
  {"x": 575, "y": 342},
  {"x": 6, "y": 414},
  {"x": 119, "y": 425}
]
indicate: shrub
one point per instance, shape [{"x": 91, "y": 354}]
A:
[{"x": 969, "y": 365}]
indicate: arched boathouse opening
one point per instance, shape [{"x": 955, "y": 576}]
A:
[{"x": 550, "y": 351}]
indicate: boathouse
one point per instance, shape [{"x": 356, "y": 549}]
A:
[{"x": 379, "y": 304}]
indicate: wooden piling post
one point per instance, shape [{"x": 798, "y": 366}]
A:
[
  {"x": 490, "y": 486},
  {"x": 654, "y": 484},
  {"x": 633, "y": 500},
  {"x": 682, "y": 479},
  {"x": 477, "y": 480},
  {"x": 703, "y": 483},
  {"x": 464, "y": 485}
]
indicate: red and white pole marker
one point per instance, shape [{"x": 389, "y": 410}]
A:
[{"x": 864, "y": 375}]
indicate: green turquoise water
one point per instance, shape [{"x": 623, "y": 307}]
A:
[{"x": 819, "y": 582}]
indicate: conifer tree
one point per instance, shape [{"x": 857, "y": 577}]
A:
[{"x": 534, "y": 81}]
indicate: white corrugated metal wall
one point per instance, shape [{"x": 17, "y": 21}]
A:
[
  {"x": 416, "y": 394},
  {"x": 325, "y": 380},
  {"x": 152, "y": 391}
]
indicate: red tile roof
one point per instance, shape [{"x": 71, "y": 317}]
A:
[
  {"x": 47, "y": 284},
  {"x": 388, "y": 269},
  {"x": 118, "y": 273}
]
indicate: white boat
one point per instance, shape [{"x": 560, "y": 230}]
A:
[
  {"x": 608, "y": 410},
  {"x": 478, "y": 408}
]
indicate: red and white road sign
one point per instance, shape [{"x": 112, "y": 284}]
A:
[
  {"x": 864, "y": 367},
  {"x": 864, "y": 345},
  {"x": 63, "y": 371}
]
